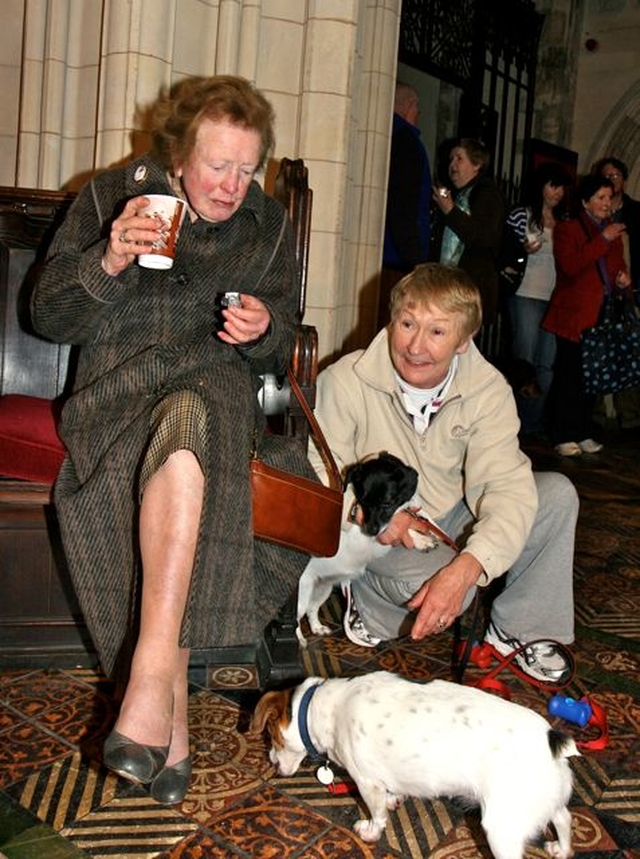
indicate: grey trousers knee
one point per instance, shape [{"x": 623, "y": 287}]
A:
[{"x": 536, "y": 598}]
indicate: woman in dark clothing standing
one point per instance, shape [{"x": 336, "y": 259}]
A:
[
  {"x": 153, "y": 498},
  {"x": 589, "y": 261},
  {"x": 532, "y": 226},
  {"x": 473, "y": 216}
]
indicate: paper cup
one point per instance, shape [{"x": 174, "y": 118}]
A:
[{"x": 170, "y": 211}]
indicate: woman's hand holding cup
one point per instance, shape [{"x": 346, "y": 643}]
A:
[
  {"x": 443, "y": 198},
  {"x": 132, "y": 234}
]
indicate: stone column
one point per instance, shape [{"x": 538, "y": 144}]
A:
[{"x": 56, "y": 126}]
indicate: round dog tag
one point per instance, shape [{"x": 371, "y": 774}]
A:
[{"x": 324, "y": 774}]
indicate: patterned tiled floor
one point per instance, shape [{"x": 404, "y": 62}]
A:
[{"x": 56, "y": 800}]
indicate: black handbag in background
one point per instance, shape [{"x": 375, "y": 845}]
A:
[{"x": 611, "y": 348}]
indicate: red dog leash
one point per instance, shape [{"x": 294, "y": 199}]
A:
[
  {"x": 430, "y": 527},
  {"x": 585, "y": 713},
  {"x": 482, "y": 655}
]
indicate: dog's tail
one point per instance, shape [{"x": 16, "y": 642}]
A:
[{"x": 562, "y": 745}]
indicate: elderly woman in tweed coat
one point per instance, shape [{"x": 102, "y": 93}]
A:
[{"x": 153, "y": 498}]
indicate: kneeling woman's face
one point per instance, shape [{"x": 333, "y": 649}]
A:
[
  {"x": 217, "y": 175},
  {"x": 422, "y": 343}
]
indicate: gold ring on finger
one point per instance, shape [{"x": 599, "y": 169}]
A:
[{"x": 124, "y": 238}]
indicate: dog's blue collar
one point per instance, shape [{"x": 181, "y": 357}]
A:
[{"x": 313, "y": 753}]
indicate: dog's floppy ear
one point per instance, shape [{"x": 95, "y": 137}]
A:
[
  {"x": 405, "y": 475},
  {"x": 391, "y": 459},
  {"x": 409, "y": 477},
  {"x": 272, "y": 711},
  {"x": 350, "y": 474}
]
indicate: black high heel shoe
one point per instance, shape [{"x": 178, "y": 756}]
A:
[
  {"x": 171, "y": 784},
  {"x": 134, "y": 761}
]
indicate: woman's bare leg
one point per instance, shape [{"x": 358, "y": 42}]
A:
[{"x": 154, "y": 707}]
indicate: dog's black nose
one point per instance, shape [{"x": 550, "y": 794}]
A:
[{"x": 372, "y": 526}]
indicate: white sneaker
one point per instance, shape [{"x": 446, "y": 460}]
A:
[
  {"x": 354, "y": 628},
  {"x": 542, "y": 661},
  {"x": 569, "y": 448},
  {"x": 588, "y": 445}
]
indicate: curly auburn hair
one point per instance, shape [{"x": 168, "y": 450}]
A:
[{"x": 178, "y": 113}]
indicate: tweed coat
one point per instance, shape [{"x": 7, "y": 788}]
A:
[{"x": 142, "y": 335}]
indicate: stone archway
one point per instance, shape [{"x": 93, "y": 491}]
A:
[{"x": 619, "y": 135}]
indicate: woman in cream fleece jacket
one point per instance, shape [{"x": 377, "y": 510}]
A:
[{"x": 423, "y": 392}]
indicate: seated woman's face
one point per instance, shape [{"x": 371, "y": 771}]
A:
[{"x": 217, "y": 175}]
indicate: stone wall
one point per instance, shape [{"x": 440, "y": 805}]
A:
[
  {"x": 557, "y": 72},
  {"x": 588, "y": 84},
  {"x": 607, "y": 102}
]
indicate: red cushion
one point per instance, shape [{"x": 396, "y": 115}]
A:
[{"x": 30, "y": 448}]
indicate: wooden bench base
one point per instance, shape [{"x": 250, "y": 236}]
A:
[{"x": 40, "y": 620}]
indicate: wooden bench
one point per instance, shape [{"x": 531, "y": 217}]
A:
[{"x": 41, "y": 624}]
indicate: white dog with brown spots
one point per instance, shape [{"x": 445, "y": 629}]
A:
[{"x": 398, "y": 738}]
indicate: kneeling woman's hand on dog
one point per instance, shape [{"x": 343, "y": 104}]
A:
[
  {"x": 397, "y": 531},
  {"x": 439, "y": 601}
]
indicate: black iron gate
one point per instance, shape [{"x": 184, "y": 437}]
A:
[{"x": 488, "y": 49}]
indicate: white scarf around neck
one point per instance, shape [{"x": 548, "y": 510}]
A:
[{"x": 422, "y": 403}]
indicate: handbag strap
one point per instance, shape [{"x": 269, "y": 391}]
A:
[
  {"x": 335, "y": 481},
  {"x": 599, "y": 263}
]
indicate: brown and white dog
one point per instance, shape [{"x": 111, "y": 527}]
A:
[{"x": 398, "y": 738}]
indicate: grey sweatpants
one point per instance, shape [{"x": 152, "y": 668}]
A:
[{"x": 536, "y": 600}]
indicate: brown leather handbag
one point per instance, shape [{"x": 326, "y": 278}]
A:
[{"x": 295, "y": 511}]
